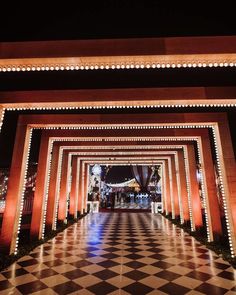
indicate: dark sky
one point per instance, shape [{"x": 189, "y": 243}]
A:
[
  {"x": 118, "y": 174},
  {"x": 115, "y": 19}
]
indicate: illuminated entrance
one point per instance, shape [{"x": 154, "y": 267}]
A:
[{"x": 129, "y": 187}]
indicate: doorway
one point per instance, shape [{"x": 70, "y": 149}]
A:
[{"x": 124, "y": 187}]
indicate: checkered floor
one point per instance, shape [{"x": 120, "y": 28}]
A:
[{"x": 120, "y": 253}]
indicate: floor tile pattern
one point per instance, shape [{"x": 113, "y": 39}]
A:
[{"x": 120, "y": 253}]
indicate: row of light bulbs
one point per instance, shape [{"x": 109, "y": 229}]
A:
[
  {"x": 126, "y": 106},
  {"x": 68, "y": 185},
  {"x": 23, "y": 191},
  {"x": 49, "y": 162},
  {"x": 124, "y": 139},
  {"x": 119, "y": 127},
  {"x": 186, "y": 166},
  {"x": 116, "y": 148},
  {"x": 58, "y": 188},
  {"x": 122, "y": 66},
  {"x": 223, "y": 194},
  {"x": 118, "y": 153},
  {"x": 178, "y": 186},
  {"x": 171, "y": 189},
  {"x": 205, "y": 203}
]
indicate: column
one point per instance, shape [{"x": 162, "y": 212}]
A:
[
  {"x": 183, "y": 187},
  {"x": 52, "y": 191},
  {"x": 62, "y": 209},
  {"x": 42, "y": 178},
  {"x": 15, "y": 193},
  {"x": 74, "y": 187}
]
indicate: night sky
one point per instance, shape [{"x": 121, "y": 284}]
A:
[
  {"x": 118, "y": 174},
  {"x": 88, "y": 19}
]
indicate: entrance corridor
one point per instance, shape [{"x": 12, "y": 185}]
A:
[{"x": 120, "y": 253}]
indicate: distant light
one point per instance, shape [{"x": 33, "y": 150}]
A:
[{"x": 96, "y": 169}]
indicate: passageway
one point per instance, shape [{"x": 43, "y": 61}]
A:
[{"x": 120, "y": 253}]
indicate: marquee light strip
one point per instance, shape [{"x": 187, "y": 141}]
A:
[
  {"x": 121, "y": 126},
  {"x": 77, "y": 189},
  {"x": 49, "y": 162},
  {"x": 138, "y": 62},
  {"x": 154, "y": 138},
  {"x": 164, "y": 204},
  {"x": 2, "y": 114},
  {"x": 117, "y": 154},
  {"x": 204, "y": 191},
  {"x": 200, "y": 103},
  {"x": 23, "y": 190},
  {"x": 171, "y": 189},
  {"x": 58, "y": 189},
  {"x": 178, "y": 189},
  {"x": 68, "y": 184},
  {"x": 226, "y": 205}
]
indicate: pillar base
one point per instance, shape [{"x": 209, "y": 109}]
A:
[
  {"x": 70, "y": 217},
  {"x": 5, "y": 249}
]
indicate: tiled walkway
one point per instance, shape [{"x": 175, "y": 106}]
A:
[{"x": 120, "y": 253}]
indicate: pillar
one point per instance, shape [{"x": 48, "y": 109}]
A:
[
  {"x": 213, "y": 203},
  {"x": 15, "y": 193},
  {"x": 227, "y": 165},
  {"x": 85, "y": 186},
  {"x": 183, "y": 186},
  {"x": 62, "y": 209},
  {"x": 194, "y": 188},
  {"x": 168, "y": 187},
  {"x": 52, "y": 190},
  {"x": 42, "y": 178},
  {"x": 175, "y": 188},
  {"x": 80, "y": 185},
  {"x": 74, "y": 187}
]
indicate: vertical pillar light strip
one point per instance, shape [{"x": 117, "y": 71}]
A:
[
  {"x": 224, "y": 189},
  {"x": 187, "y": 174},
  {"x": 204, "y": 192},
  {"x": 179, "y": 189},
  {"x": 82, "y": 205},
  {"x": 171, "y": 189},
  {"x": 86, "y": 185},
  {"x": 77, "y": 188},
  {"x": 49, "y": 162},
  {"x": 164, "y": 190},
  {"x": 30, "y": 131},
  {"x": 2, "y": 114},
  {"x": 57, "y": 188},
  {"x": 68, "y": 184}
]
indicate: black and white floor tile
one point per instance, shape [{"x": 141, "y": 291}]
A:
[{"x": 120, "y": 253}]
